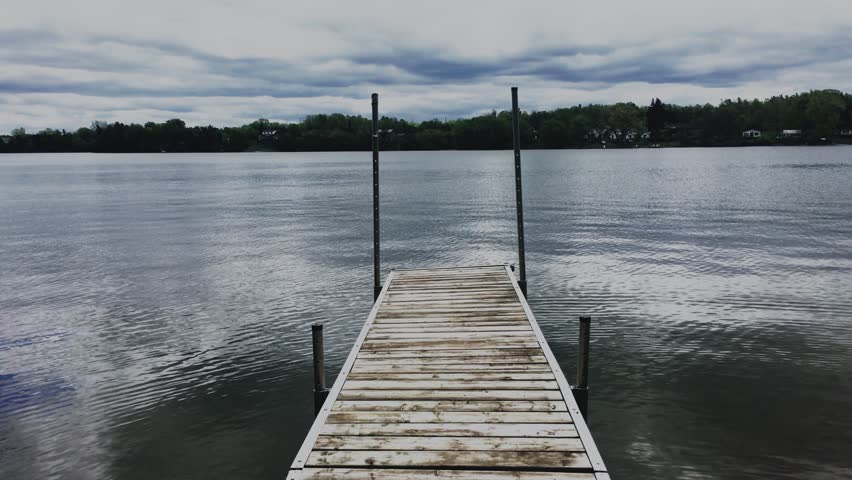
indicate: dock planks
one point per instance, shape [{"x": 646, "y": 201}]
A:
[{"x": 450, "y": 379}]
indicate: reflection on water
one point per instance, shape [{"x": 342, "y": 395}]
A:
[{"x": 154, "y": 309}]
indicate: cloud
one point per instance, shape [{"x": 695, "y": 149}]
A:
[{"x": 223, "y": 63}]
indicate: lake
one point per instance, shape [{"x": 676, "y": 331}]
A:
[{"x": 155, "y": 310}]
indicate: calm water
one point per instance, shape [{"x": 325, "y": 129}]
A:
[{"x": 155, "y": 309}]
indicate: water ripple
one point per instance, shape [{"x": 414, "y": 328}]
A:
[{"x": 155, "y": 309}]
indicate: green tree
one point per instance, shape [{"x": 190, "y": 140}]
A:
[
  {"x": 554, "y": 134},
  {"x": 656, "y": 119},
  {"x": 823, "y": 112},
  {"x": 625, "y": 120},
  {"x": 818, "y": 113}
]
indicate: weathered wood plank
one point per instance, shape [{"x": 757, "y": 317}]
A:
[
  {"x": 448, "y": 271},
  {"x": 454, "y": 304},
  {"x": 478, "y": 297},
  {"x": 451, "y": 308},
  {"x": 443, "y": 459},
  {"x": 454, "y": 283},
  {"x": 418, "y": 285},
  {"x": 470, "y": 281},
  {"x": 465, "y": 359},
  {"x": 454, "y": 319},
  {"x": 449, "y": 268},
  {"x": 427, "y": 354},
  {"x": 459, "y": 276},
  {"x": 448, "y": 274},
  {"x": 449, "y": 313},
  {"x": 511, "y": 337},
  {"x": 452, "y": 315},
  {"x": 456, "y": 276},
  {"x": 503, "y": 292},
  {"x": 511, "y": 444},
  {"x": 408, "y": 328},
  {"x": 511, "y": 324},
  {"x": 466, "y": 302},
  {"x": 502, "y": 394},
  {"x": 486, "y": 334},
  {"x": 422, "y": 277},
  {"x": 453, "y": 343},
  {"x": 503, "y": 377},
  {"x": 457, "y": 317},
  {"x": 451, "y": 272},
  {"x": 425, "y": 274},
  {"x": 479, "y": 282},
  {"x": 448, "y": 406},
  {"x": 414, "y": 328},
  {"x": 404, "y": 344},
  {"x": 451, "y": 285},
  {"x": 471, "y": 289},
  {"x": 452, "y": 429},
  {"x": 448, "y": 385},
  {"x": 433, "y": 474},
  {"x": 452, "y": 367},
  {"x": 449, "y": 417}
]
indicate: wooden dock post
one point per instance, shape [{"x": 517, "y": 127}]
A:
[
  {"x": 516, "y": 141},
  {"x": 581, "y": 389},
  {"x": 320, "y": 390},
  {"x": 377, "y": 274}
]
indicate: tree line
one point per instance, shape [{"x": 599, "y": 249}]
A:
[{"x": 815, "y": 117}]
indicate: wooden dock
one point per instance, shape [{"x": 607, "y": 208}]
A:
[{"x": 450, "y": 378}]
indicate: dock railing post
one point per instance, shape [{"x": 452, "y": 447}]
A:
[
  {"x": 519, "y": 197},
  {"x": 581, "y": 389},
  {"x": 320, "y": 390},
  {"x": 377, "y": 274}
]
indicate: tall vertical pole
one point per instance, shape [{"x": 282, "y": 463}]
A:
[
  {"x": 377, "y": 274},
  {"x": 320, "y": 392},
  {"x": 516, "y": 141},
  {"x": 581, "y": 390}
]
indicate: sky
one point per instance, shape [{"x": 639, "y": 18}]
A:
[{"x": 66, "y": 64}]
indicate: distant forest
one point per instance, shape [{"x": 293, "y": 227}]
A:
[{"x": 816, "y": 117}]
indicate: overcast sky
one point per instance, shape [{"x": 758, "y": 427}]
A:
[{"x": 66, "y": 63}]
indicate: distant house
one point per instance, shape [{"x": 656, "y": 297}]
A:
[
  {"x": 846, "y": 132},
  {"x": 594, "y": 134},
  {"x": 751, "y": 133},
  {"x": 791, "y": 133},
  {"x": 267, "y": 135},
  {"x": 611, "y": 134},
  {"x": 646, "y": 135},
  {"x": 6, "y": 138}
]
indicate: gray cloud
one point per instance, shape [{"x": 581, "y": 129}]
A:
[{"x": 45, "y": 75}]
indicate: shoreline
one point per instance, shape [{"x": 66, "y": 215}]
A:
[{"x": 366, "y": 150}]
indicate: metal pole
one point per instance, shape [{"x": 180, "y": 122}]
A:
[
  {"x": 581, "y": 390},
  {"x": 516, "y": 141},
  {"x": 377, "y": 274},
  {"x": 320, "y": 392}
]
